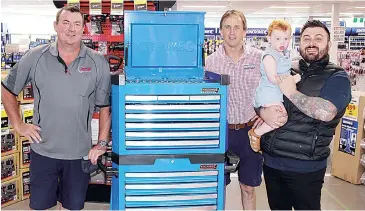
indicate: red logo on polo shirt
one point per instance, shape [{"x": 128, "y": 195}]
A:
[{"x": 84, "y": 69}]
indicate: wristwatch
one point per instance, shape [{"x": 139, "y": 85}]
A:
[{"x": 103, "y": 143}]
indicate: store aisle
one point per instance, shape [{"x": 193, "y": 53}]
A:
[{"x": 336, "y": 195}]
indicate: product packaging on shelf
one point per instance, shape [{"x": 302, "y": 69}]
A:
[
  {"x": 27, "y": 113},
  {"x": 24, "y": 184},
  {"x": 4, "y": 121},
  {"x": 24, "y": 147},
  {"x": 9, "y": 167},
  {"x": 9, "y": 143},
  {"x": 26, "y": 96},
  {"x": 10, "y": 192}
]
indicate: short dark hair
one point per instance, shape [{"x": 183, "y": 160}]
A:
[
  {"x": 70, "y": 8},
  {"x": 315, "y": 23}
]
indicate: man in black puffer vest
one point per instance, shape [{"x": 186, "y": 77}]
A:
[{"x": 295, "y": 154}]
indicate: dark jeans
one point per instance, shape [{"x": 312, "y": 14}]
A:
[{"x": 287, "y": 190}]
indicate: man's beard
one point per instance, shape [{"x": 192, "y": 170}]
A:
[{"x": 312, "y": 58}]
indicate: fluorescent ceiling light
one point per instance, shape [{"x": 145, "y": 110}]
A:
[
  {"x": 203, "y": 6},
  {"x": 351, "y": 13},
  {"x": 25, "y": 5},
  {"x": 290, "y": 7},
  {"x": 359, "y": 7}
]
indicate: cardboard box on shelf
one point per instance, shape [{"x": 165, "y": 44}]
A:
[
  {"x": 26, "y": 96},
  {"x": 9, "y": 167},
  {"x": 10, "y": 192},
  {"x": 24, "y": 151},
  {"x": 24, "y": 184},
  {"x": 5, "y": 128},
  {"x": 347, "y": 150},
  {"x": 9, "y": 143},
  {"x": 26, "y": 111}
]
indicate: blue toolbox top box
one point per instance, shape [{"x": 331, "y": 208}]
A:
[{"x": 164, "y": 45}]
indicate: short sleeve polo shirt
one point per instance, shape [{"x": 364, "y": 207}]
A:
[{"x": 64, "y": 97}]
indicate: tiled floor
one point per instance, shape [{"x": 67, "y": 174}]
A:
[{"x": 336, "y": 195}]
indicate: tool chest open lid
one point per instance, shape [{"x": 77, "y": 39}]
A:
[{"x": 164, "y": 45}]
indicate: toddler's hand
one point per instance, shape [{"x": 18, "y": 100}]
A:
[{"x": 297, "y": 78}]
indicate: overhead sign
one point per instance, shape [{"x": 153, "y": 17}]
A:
[
  {"x": 339, "y": 34},
  {"x": 210, "y": 31},
  {"x": 256, "y": 32},
  {"x": 328, "y": 23},
  {"x": 357, "y": 32}
]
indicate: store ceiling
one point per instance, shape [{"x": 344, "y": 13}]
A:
[
  {"x": 255, "y": 9},
  {"x": 273, "y": 9}
]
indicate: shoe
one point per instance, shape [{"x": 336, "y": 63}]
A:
[{"x": 254, "y": 140}]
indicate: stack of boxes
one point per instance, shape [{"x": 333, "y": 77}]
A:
[
  {"x": 15, "y": 151},
  {"x": 10, "y": 179}
]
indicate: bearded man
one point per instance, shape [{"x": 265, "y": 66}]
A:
[{"x": 295, "y": 154}]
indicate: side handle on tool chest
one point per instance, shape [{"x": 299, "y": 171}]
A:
[
  {"x": 105, "y": 170},
  {"x": 232, "y": 161}
]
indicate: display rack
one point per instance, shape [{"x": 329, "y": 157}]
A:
[{"x": 353, "y": 62}]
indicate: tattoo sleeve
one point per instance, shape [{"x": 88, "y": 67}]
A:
[{"x": 315, "y": 107}]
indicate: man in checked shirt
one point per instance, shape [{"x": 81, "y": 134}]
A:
[{"x": 242, "y": 64}]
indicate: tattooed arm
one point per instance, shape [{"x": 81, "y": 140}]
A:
[{"x": 315, "y": 107}]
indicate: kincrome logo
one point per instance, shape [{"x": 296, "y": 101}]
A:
[
  {"x": 208, "y": 167},
  {"x": 210, "y": 90},
  {"x": 166, "y": 45}
]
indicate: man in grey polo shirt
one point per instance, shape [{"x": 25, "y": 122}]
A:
[{"x": 68, "y": 80}]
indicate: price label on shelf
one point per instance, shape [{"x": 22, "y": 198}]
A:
[
  {"x": 117, "y": 7},
  {"x": 352, "y": 109},
  {"x": 140, "y": 4},
  {"x": 74, "y": 2}
]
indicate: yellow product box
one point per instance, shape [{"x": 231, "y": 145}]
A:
[
  {"x": 26, "y": 111},
  {"x": 9, "y": 143},
  {"x": 5, "y": 127},
  {"x": 24, "y": 151},
  {"x": 9, "y": 167},
  {"x": 10, "y": 192},
  {"x": 24, "y": 184}
]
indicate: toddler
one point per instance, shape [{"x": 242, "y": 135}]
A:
[{"x": 275, "y": 61}]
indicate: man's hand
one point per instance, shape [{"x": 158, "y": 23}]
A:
[
  {"x": 274, "y": 116},
  {"x": 287, "y": 84},
  {"x": 29, "y": 131},
  {"x": 95, "y": 152}
]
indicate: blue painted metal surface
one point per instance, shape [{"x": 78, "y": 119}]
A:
[
  {"x": 166, "y": 105},
  {"x": 164, "y": 45}
]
